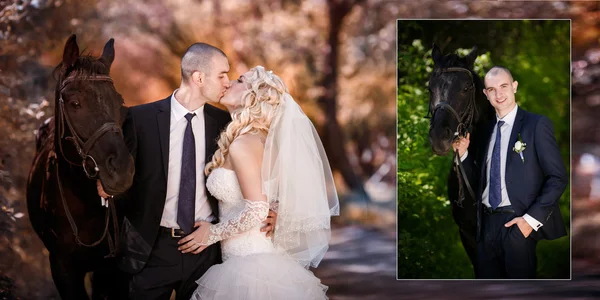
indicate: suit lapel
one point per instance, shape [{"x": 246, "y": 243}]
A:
[
  {"x": 163, "y": 118},
  {"x": 211, "y": 133},
  {"x": 514, "y": 135}
]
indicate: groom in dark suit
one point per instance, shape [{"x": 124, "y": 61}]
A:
[
  {"x": 171, "y": 140},
  {"x": 522, "y": 177}
]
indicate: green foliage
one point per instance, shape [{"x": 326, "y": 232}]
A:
[{"x": 428, "y": 241}]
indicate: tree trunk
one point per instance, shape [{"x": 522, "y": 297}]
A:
[{"x": 333, "y": 135}]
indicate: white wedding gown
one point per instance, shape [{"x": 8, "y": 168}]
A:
[{"x": 252, "y": 267}]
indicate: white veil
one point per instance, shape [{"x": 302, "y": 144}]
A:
[{"x": 296, "y": 174}]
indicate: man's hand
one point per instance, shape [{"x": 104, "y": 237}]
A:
[
  {"x": 192, "y": 243},
  {"x": 461, "y": 145},
  {"x": 269, "y": 228},
  {"x": 525, "y": 228},
  {"x": 101, "y": 191}
]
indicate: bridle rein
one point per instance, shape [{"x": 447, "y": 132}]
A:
[
  {"x": 83, "y": 150},
  {"x": 464, "y": 123}
]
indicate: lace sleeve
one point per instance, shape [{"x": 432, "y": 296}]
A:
[{"x": 253, "y": 214}]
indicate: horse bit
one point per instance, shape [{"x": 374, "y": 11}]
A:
[{"x": 464, "y": 122}]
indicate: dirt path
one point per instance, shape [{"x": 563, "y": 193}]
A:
[{"x": 361, "y": 264}]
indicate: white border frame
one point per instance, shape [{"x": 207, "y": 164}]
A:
[{"x": 570, "y": 151}]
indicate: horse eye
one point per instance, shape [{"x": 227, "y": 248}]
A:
[{"x": 75, "y": 104}]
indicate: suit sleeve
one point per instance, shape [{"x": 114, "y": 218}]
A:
[
  {"x": 130, "y": 134},
  {"x": 553, "y": 169},
  {"x": 130, "y": 137},
  {"x": 471, "y": 170}
]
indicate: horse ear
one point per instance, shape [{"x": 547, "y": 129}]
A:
[
  {"x": 471, "y": 57},
  {"x": 71, "y": 52},
  {"x": 108, "y": 55},
  {"x": 436, "y": 54}
]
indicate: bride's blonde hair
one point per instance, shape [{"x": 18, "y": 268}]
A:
[{"x": 260, "y": 103}]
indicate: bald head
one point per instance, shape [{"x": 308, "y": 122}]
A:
[
  {"x": 496, "y": 70},
  {"x": 500, "y": 89},
  {"x": 198, "y": 57}
]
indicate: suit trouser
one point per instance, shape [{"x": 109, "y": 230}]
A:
[
  {"x": 504, "y": 252},
  {"x": 168, "y": 269}
]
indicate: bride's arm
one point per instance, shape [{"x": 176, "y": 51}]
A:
[{"x": 245, "y": 155}]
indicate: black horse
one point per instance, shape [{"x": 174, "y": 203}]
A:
[
  {"x": 458, "y": 106},
  {"x": 82, "y": 144}
]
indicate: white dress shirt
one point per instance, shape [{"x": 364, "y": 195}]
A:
[
  {"x": 176, "y": 132},
  {"x": 506, "y": 129}
]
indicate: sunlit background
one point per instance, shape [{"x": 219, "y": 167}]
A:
[
  {"x": 338, "y": 57},
  {"x": 334, "y": 57}
]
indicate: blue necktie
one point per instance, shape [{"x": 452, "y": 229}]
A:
[
  {"x": 495, "y": 175},
  {"x": 187, "y": 186}
]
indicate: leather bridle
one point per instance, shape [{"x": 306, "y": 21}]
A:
[
  {"x": 83, "y": 147},
  {"x": 466, "y": 119},
  {"x": 464, "y": 123},
  {"x": 83, "y": 150}
]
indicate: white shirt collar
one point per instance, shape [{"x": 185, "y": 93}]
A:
[
  {"x": 509, "y": 119},
  {"x": 178, "y": 111}
]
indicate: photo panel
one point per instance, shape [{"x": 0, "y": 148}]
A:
[{"x": 498, "y": 214}]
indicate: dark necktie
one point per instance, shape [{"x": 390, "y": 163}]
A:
[
  {"x": 495, "y": 173},
  {"x": 187, "y": 187}
]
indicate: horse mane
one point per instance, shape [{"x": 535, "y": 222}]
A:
[
  {"x": 452, "y": 60},
  {"x": 85, "y": 65}
]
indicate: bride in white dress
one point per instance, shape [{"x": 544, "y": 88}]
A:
[{"x": 269, "y": 156}]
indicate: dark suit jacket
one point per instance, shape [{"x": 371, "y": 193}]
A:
[
  {"x": 535, "y": 185},
  {"x": 146, "y": 130}
]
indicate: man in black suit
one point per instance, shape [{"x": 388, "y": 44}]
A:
[
  {"x": 522, "y": 177},
  {"x": 171, "y": 140}
]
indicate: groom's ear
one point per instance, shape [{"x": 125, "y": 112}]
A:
[{"x": 198, "y": 77}]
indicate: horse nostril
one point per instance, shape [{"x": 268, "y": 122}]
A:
[
  {"x": 449, "y": 133},
  {"x": 110, "y": 164}
]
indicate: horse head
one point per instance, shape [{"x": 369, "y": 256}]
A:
[
  {"x": 456, "y": 99},
  {"x": 88, "y": 117}
]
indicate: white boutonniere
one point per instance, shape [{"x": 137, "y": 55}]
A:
[{"x": 520, "y": 147}]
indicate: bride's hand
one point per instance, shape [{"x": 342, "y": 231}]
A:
[
  {"x": 270, "y": 222},
  {"x": 193, "y": 242}
]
